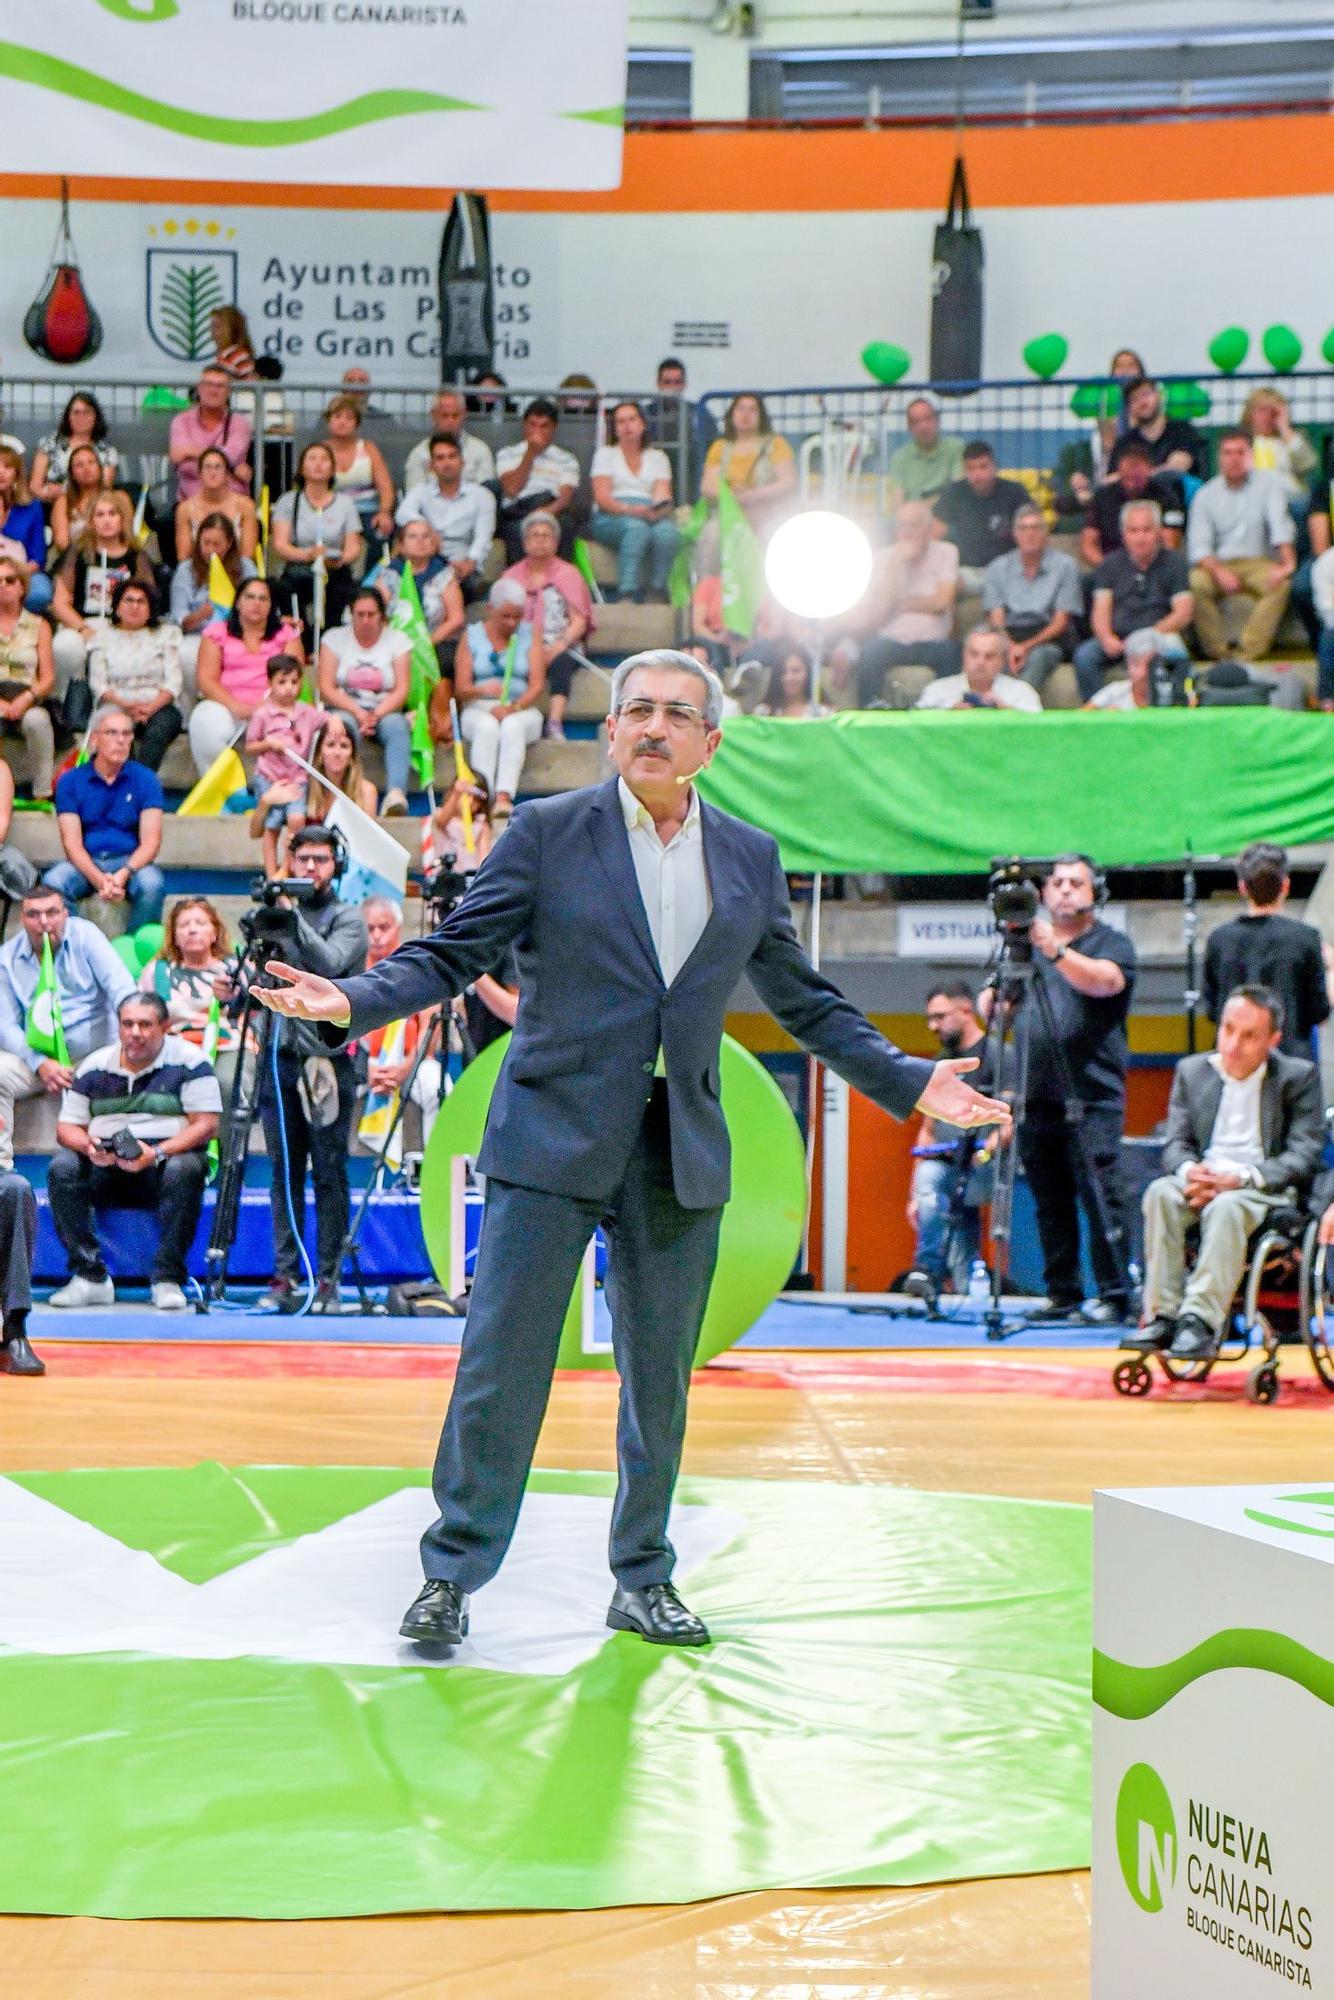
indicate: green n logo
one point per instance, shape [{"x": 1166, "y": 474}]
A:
[
  {"x": 144, "y": 10},
  {"x": 1319, "y": 1520},
  {"x": 1146, "y": 1837}
]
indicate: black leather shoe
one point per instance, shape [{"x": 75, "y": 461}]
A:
[
  {"x": 1155, "y": 1338},
  {"x": 1195, "y": 1340},
  {"x": 658, "y": 1615},
  {"x": 17, "y": 1358},
  {"x": 1058, "y": 1312},
  {"x": 437, "y": 1616},
  {"x": 1106, "y": 1312}
]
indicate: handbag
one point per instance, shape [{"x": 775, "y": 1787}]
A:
[{"x": 956, "y": 293}]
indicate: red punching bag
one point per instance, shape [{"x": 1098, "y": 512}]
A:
[{"x": 62, "y": 324}]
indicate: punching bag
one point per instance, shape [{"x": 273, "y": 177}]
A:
[
  {"x": 62, "y": 324},
  {"x": 956, "y": 291},
  {"x": 467, "y": 328}
]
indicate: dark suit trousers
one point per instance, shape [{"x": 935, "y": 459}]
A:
[
  {"x": 1065, "y": 1178},
  {"x": 661, "y": 1259}
]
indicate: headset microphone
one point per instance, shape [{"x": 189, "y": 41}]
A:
[{"x": 690, "y": 776}]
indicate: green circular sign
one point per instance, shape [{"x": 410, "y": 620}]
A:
[
  {"x": 1146, "y": 1837},
  {"x": 761, "y": 1227}
]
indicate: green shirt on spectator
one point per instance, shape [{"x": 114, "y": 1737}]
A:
[{"x": 919, "y": 474}]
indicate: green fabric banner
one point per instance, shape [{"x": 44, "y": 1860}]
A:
[
  {"x": 935, "y": 794},
  {"x": 211, "y": 1715}
]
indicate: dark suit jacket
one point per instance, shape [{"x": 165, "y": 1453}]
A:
[
  {"x": 1277, "y": 952},
  {"x": 1292, "y": 1119},
  {"x": 593, "y": 1009}
]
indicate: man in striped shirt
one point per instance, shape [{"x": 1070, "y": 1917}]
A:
[{"x": 134, "y": 1130}]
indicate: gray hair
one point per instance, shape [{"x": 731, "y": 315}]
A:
[
  {"x": 1141, "y": 507},
  {"x": 506, "y": 591},
  {"x": 984, "y": 631},
  {"x": 1030, "y": 511},
  {"x": 540, "y": 518},
  {"x": 386, "y": 903},
  {"x": 105, "y": 713},
  {"x": 668, "y": 659}
]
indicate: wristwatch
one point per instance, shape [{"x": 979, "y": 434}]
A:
[
  {"x": 1059, "y": 953},
  {"x": 158, "y": 1155}
]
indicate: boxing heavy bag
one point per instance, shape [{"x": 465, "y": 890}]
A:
[
  {"x": 956, "y": 291},
  {"x": 467, "y": 330},
  {"x": 62, "y": 324}
]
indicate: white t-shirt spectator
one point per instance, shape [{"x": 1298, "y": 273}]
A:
[
  {"x": 632, "y": 489},
  {"x": 1115, "y": 694},
  {"x": 551, "y": 470},
  {"x": 365, "y": 672},
  {"x": 1008, "y": 692}
]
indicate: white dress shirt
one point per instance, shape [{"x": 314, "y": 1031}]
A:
[
  {"x": 1236, "y": 1144},
  {"x": 673, "y": 883},
  {"x": 464, "y": 522}
]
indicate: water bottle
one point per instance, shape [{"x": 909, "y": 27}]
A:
[{"x": 979, "y": 1285}]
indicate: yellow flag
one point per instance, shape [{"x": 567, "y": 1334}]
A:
[
  {"x": 262, "y": 547},
  {"x": 225, "y": 775},
  {"x": 463, "y": 772},
  {"x": 220, "y": 586}
]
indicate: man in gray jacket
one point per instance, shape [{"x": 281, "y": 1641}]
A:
[{"x": 1245, "y": 1130}]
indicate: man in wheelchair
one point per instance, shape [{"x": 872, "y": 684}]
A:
[{"x": 1245, "y": 1132}]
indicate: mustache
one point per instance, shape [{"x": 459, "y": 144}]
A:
[{"x": 653, "y": 745}]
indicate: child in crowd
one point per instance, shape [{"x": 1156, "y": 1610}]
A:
[
  {"x": 445, "y": 833},
  {"x": 281, "y": 724}
]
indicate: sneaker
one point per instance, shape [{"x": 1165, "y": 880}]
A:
[
  {"x": 395, "y": 804},
  {"x": 81, "y": 1293},
  {"x": 167, "y": 1297},
  {"x": 281, "y": 1297},
  {"x": 554, "y": 731},
  {"x": 328, "y": 1297}
]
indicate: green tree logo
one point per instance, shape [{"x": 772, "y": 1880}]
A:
[
  {"x": 141, "y": 10},
  {"x": 190, "y": 292},
  {"x": 1146, "y": 1837}
]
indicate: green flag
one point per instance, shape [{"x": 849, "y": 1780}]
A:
[
  {"x": 678, "y": 579},
  {"x": 742, "y": 564},
  {"x": 209, "y": 1050},
  {"x": 46, "y": 1030},
  {"x": 583, "y": 562},
  {"x": 408, "y": 618}
]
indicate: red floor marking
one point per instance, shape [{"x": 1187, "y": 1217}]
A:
[{"x": 849, "y": 1374}]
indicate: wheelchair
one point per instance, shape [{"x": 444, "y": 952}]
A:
[{"x": 1286, "y": 1293}]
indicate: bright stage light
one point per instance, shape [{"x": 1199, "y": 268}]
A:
[{"x": 818, "y": 564}]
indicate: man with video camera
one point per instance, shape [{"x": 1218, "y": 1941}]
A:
[
  {"x": 309, "y": 1117},
  {"x": 1074, "y": 1099}
]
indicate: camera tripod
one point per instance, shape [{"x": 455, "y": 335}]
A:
[
  {"x": 1018, "y": 990},
  {"x": 242, "y": 1110}
]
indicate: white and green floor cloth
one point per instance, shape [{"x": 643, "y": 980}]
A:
[{"x": 207, "y": 1712}]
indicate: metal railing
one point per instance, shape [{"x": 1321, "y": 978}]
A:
[
  {"x": 844, "y": 437},
  {"x": 287, "y": 415}
]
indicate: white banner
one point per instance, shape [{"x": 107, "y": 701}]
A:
[
  {"x": 361, "y": 93},
  {"x": 963, "y": 933}
]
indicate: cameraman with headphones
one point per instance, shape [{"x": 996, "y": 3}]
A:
[
  {"x": 1086, "y": 969},
  {"x": 318, "y": 1089}
]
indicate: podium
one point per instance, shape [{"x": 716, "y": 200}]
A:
[{"x": 1213, "y": 1741}]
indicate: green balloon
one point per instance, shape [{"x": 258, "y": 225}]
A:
[
  {"x": 148, "y": 942},
  {"x": 127, "y": 952},
  {"x": 1327, "y": 347},
  {"x": 1228, "y": 349},
  {"x": 1096, "y": 399},
  {"x": 1282, "y": 349},
  {"x": 885, "y": 361},
  {"x": 761, "y": 1228},
  {"x": 1046, "y": 355},
  {"x": 1187, "y": 400}
]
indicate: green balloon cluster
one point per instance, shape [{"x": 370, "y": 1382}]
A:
[
  {"x": 1282, "y": 348},
  {"x": 1228, "y": 349},
  {"x": 1047, "y": 355},
  {"x": 1327, "y": 347},
  {"x": 135, "y": 949},
  {"x": 1094, "y": 401},
  {"x": 886, "y": 362},
  {"x": 1186, "y": 400}
]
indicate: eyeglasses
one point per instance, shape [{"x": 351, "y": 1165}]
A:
[{"x": 678, "y": 714}]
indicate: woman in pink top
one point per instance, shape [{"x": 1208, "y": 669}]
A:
[
  {"x": 559, "y": 604},
  {"x": 233, "y": 669}
]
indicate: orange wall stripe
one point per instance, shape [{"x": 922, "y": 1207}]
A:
[{"x": 1064, "y": 166}]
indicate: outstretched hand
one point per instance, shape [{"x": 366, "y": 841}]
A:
[
  {"x": 303, "y": 995},
  {"x": 955, "y": 1102}
]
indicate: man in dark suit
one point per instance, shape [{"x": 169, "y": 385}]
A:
[
  {"x": 1245, "y": 1131},
  {"x": 634, "y": 910}
]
